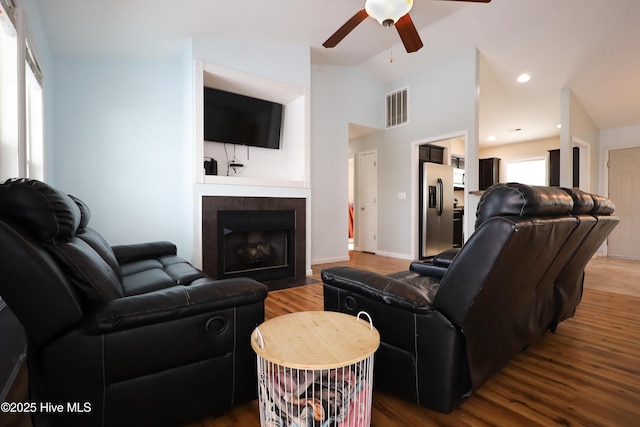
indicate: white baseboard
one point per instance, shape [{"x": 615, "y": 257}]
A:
[
  {"x": 328, "y": 260},
  {"x": 395, "y": 255}
]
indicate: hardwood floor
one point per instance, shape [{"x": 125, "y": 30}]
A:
[
  {"x": 587, "y": 373},
  {"x": 617, "y": 275}
]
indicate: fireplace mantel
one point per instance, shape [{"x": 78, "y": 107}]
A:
[{"x": 259, "y": 182}]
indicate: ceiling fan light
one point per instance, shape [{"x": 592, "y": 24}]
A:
[{"x": 384, "y": 11}]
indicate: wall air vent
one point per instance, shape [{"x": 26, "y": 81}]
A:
[{"x": 396, "y": 108}]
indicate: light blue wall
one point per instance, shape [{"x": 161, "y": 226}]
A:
[
  {"x": 339, "y": 96},
  {"x": 442, "y": 101},
  {"x": 122, "y": 144},
  {"x": 123, "y": 134}
]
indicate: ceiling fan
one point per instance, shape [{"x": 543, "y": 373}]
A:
[{"x": 387, "y": 13}]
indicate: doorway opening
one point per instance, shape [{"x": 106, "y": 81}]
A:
[
  {"x": 367, "y": 201},
  {"x": 438, "y": 188},
  {"x": 362, "y": 189},
  {"x": 351, "y": 202}
]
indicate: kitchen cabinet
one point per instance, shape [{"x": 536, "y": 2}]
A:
[
  {"x": 457, "y": 162},
  {"x": 554, "y": 167},
  {"x": 431, "y": 153},
  {"x": 489, "y": 172}
]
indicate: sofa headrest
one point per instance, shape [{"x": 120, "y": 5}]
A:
[
  {"x": 43, "y": 211},
  {"x": 85, "y": 213},
  {"x": 602, "y": 205},
  {"x": 515, "y": 199},
  {"x": 582, "y": 202}
]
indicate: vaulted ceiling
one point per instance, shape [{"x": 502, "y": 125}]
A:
[{"x": 588, "y": 46}]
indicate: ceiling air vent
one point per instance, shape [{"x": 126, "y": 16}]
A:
[{"x": 396, "y": 108}]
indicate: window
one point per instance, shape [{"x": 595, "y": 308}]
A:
[
  {"x": 527, "y": 171},
  {"x": 21, "y": 101},
  {"x": 34, "y": 121},
  {"x": 8, "y": 93},
  {"x": 34, "y": 127}
]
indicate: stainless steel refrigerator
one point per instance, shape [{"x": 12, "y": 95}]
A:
[{"x": 436, "y": 209}]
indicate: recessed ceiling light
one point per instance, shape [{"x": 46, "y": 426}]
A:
[
  {"x": 559, "y": 126},
  {"x": 523, "y": 78},
  {"x": 491, "y": 138}
]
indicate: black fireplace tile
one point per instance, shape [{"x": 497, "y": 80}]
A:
[{"x": 258, "y": 203}]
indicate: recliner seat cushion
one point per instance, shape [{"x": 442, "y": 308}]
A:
[
  {"x": 180, "y": 270},
  {"x": 147, "y": 280},
  {"x": 151, "y": 274}
]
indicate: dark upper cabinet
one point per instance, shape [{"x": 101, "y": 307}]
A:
[
  {"x": 431, "y": 153},
  {"x": 489, "y": 172},
  {"x": 554, "y": 167}
]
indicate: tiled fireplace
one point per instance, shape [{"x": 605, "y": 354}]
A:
[{"x": 259, "y": 237}]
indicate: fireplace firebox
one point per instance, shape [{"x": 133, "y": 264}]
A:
[
  {"x": 256, "y": 243},
  {"x": 255, "y": 229}
]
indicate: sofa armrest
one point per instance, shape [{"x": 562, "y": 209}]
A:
[
  {"x": 426, "y": 268},
  {"x": 437, "y": 266},
  {"x": 201, "y": 296},
  {"x": 445, "y": 258},
  {"x": 385, "y": 289},
  {"x": 140, "y": 251}
]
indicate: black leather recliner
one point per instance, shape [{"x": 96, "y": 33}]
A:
[
  {"x": 126, "y": 336},
  {"x": 449, "y": 324}
]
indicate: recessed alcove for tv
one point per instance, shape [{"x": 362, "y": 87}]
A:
[{"x": 290, "y": 163}]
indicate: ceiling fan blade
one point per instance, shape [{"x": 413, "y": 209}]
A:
[
  {"x": 408, "y": 34},
  {"x": 346, "y": 29}
]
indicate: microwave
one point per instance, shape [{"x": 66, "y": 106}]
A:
[{"x": 458, "y": 178}]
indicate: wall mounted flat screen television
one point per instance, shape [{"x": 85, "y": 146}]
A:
[{"x": 239, "y": 119}]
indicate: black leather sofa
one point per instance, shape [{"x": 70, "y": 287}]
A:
[
  {"x": 449, "y": 324},
  {"x": 120, "y": 336}
]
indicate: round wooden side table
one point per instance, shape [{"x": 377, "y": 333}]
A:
[{"x": 315, "y": 368}]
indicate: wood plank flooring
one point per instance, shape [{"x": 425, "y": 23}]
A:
[
  {"x": 617, "y": 275},
  {"x": 586, "y": 374}
]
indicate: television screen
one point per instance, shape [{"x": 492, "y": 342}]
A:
[{"x": 238, "y": 119}]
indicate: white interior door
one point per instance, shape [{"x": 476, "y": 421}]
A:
[
  {"x": 368, "y": 189},
  {"x": 624, "y": 185}
]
